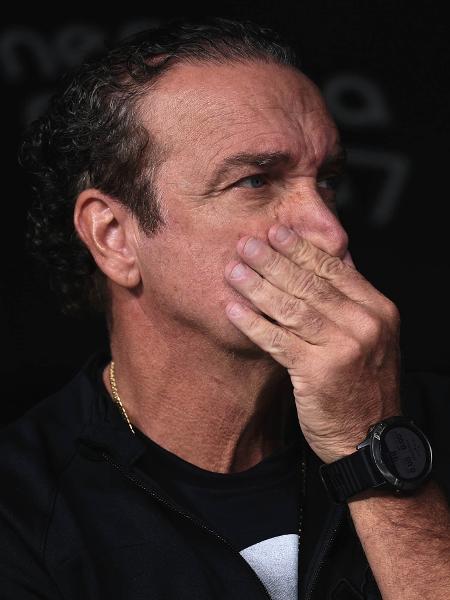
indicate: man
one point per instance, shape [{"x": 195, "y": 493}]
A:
[{"x": 183, "y": 461}]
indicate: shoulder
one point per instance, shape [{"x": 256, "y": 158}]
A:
[{"x": 36, "y": 449}]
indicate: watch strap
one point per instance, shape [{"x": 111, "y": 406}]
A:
[{"x": 351, "y": 474}]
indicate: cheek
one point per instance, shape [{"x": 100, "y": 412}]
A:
[
  {"x": 185, "y": 266},
  {"x": 186, "y": 271},
  {"x": 204, "y": 265}
]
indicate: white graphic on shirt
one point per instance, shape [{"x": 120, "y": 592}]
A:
[{"x": 275, "y": 561}]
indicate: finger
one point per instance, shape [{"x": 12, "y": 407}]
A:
[
  {"x": 292, "y": 313},
  {"x": 348, "y": 259},
  {"x": 332, "y": 269},
  {"x": 296, "y": 281},
  {"x": 282, "y": 345}
]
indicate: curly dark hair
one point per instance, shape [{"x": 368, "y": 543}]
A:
[{"x": 91, "y": 136}]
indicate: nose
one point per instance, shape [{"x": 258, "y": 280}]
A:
[{"x": 312, "y": 218}]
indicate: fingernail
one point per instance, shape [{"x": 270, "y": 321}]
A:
[
  {"x": 252, "y": 246},
  {"x": 282, "y": 233},
  {"x": 235, "y": 310},
  {"x": 238, "y": 271},
  {"x": 348, "y": 259}
]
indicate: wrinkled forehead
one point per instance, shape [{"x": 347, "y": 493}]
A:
[{"x": 211, "y": 108}]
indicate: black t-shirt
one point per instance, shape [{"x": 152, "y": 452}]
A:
[{"x": 257, "y": 510}]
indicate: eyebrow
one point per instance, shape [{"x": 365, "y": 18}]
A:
[{"x": 269, "y": 160}]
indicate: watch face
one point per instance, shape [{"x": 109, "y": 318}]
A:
[{"x": 403, "y": 452}]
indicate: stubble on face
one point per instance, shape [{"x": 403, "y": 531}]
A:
[{"x": 203, "y": 114}]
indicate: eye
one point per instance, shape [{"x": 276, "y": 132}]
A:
[
  {"x": 256, "y": 181},
  {"x": 331, "y": 182}
]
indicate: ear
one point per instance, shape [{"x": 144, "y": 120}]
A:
[{"x": 106, "y": 228}]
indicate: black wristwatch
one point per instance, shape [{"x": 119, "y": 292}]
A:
[{"x": 396, "y": 455}]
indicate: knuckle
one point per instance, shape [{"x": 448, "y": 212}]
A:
[
  {"x": 323, "y": 291},
  {"x": 257, "y": 285},
  {"x": 288, "y": 307},
  {"x": 290, "y": 359},
  {"x": 255, "y": 323},
  {"x": 274, "y": 262},
  {"x": 329, "y": 265},
  {"x": 302, "y": 251},
  {"x": 373, "y": 328},
  {"x": 303, "y": 283},
  {"x": 392, "y": 312},
  {"x": 314, "y": 323},
  {"x": 278, "y": 339},
  {"x": 353, "y": 349}
]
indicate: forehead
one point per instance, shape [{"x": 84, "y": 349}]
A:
[{"x": 210, "y": 109}]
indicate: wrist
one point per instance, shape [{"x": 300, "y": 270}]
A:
[
  {"x": 395, "y": 458},
  {"x": 345, "y": 447}
]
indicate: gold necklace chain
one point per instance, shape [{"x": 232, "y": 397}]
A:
[
  {"x": 116, "y": 397},
  {"x": 117, "y": 400}
]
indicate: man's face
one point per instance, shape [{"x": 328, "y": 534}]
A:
[{"x": 205, "y": 114}]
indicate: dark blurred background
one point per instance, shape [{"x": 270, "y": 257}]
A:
[{"x": 383, "y": 68}]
